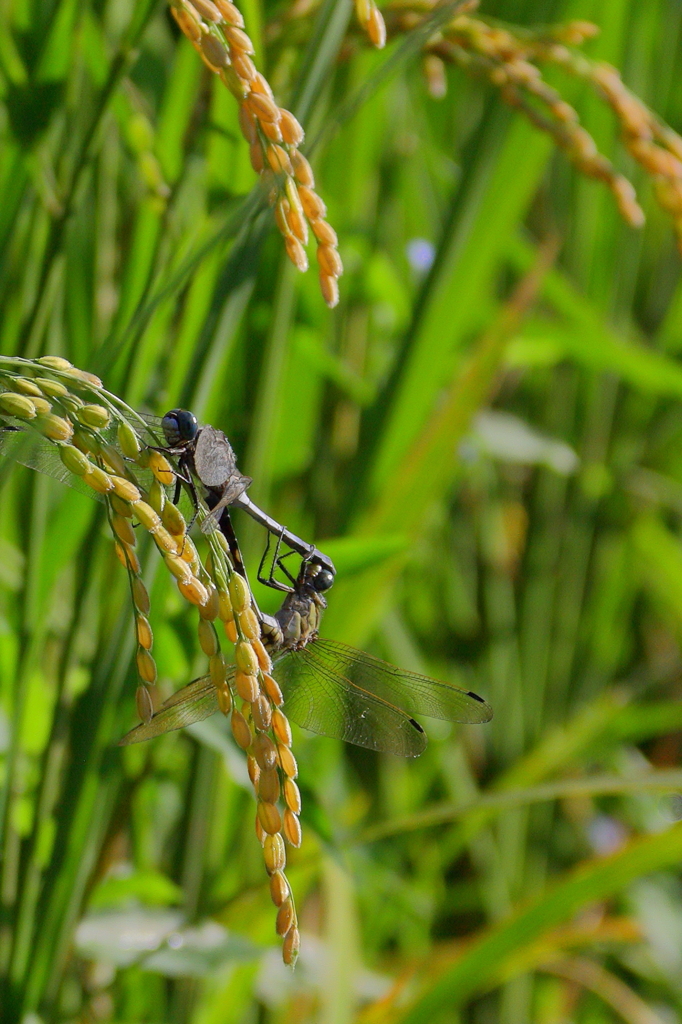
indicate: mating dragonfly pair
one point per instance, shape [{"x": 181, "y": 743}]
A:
[{"x": 328, "y": 687}]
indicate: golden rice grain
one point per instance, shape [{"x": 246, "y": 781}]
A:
[
  {"x": 329, "y": 260},
  {"x": 329, "y": 287},
  {"x": 55, "y": 362},
  {"x": 146, "y": 666},
  {"x": 146, "y": 515},
  {"x": 292, "y": 796},
  {"x": 279, "y": 888},
  {"x": 74, "y": 460},
  {"x": 54, "y": 427},
  {"x": 262, "y": 107},
  {"x": 167, "y": 544},
  {"x": 123, "y": 529},
  {"x": 285, "y": 917},
  {"x": 217, "y": 667},
  {"x": 208, "y": 638},
  {"x": 42, "y": 406},
  {"x": 224, "y": 699},
  {"x": 22, "y": 385},
  {"x": 271, "y": 687},
  {"x": 303, "y": 172},
  {"x": 264, "y": 660},
  {"x": 176, "y": 566},
  {"x": 95, "y": 416},
  {"x": 292, "y": 828},
  {"x": 238, "y": 39},
  {"x": 50, "y": 388},
  {"x": 215, "y": 51},
  {"x": 313, "y": 206},
  {"x": 230, "y": 13},
  {"x": 274, "y": 853},
  {"x": 209, "y": 611},
  {"x": 246, "y": 686},
  {"x": 113, "y": 459},
  {"x": 161, "y": 468},
  {"x": 281, "y": 727},
  {"x": 250, "y": 625},
  {"x": 324, "y": 232},
  {"x": 297, "y": 224},
  {"x": 124, "y": 488},
  {"x": 225, "y": 612},
  {"x": 193, "y": 591},
  {"x": 206, "y": 9},
  {"x": 245, "y": 658},
  {"x": 140, "y": 597},
  {"x": 173, "y": 519},
  {"x": 188, "y": 24},
  {"x": 271, "y": 130},
  {"x": 268, "y": 786},
  {"x": 261, "y": 712},
  {"x": 244, "y": 68},
  {"x": 287, "y": 761},
  {"x": 239, "y": 593},
  {"x": 145, "y": 637},
  {"x": 292, "y": 132},
  {"x": 241, "y": 731},
  {"x": 269, "y": 817},
  {"x": 143, "y": 702},
  {"x": 265, "y": 751},
  {"x": 253, "y": 770},
  {"x": 291, "y": 946},
  {"x": 278, "y": 158},
  {"x": 187, "y": 551},
  {"x": 260, "y": 84},
  {"x": 98, "y": 480},
  {"x": 296, "y": 253},
  {"x": 247, "y": 124},
  {"x": 127, "y": 558},
  {"x": 376, "y": 27}
]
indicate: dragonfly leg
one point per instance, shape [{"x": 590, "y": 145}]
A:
[{"x": 269, "y": 580}]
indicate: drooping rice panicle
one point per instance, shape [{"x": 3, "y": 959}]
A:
[
  {"x": 216, "y": 30},
  {"x": 512, "y": 59},
  {"x": 370, "y": 18},
  {"x": 76, "y": 425}
]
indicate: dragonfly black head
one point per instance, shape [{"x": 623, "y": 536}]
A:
[
  {"x": 179, "y": 426},
  {"x": 317, "y": 576},
  {"x": 322, "y": 580}
]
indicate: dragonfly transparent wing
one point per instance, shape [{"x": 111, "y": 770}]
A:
[
  {"x": 193, "y": 703},
  {"x": 414, "y": 693},
  {"x": 34, "y": 451},
  {"x": 317, "y": 696}
]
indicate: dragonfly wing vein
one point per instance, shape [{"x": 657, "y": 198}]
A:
[
  {"x": 317, "y": 698},
  {"x": 415, "y": 693},
  {"x": 193, "y": 703}
]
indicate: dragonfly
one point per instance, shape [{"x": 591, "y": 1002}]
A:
[
  {"x": 330, "y": 688},
  {"x": 206, "y": 454},
  {"x": 203, "y": 453}
]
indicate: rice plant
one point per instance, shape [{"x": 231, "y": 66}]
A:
[{"x": 477, "y": 421}]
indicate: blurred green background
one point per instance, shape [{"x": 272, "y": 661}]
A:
[{"x": 499, "y": 483}]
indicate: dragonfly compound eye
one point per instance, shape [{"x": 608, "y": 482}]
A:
[
  {"x": 179, "y": 425},
  {"x": 322, "y": 580}
]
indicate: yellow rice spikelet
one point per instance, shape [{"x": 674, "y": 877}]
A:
[{"x": 216, "y": 30}]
